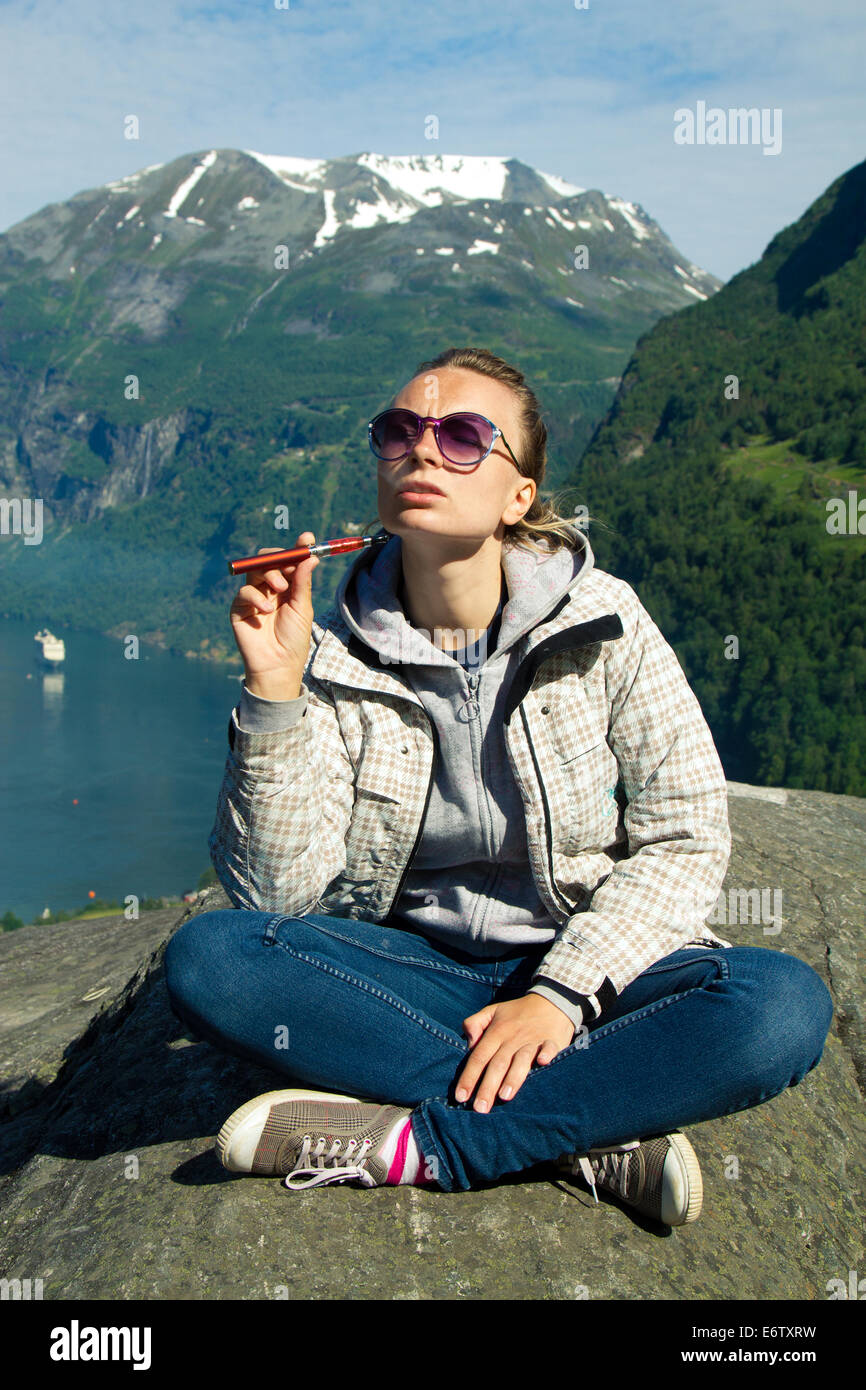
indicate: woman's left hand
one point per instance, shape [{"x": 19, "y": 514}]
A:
[{"x": 505, "y": 1039}]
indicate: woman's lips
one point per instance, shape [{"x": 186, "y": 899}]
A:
[{"x": 413, "y": 496}]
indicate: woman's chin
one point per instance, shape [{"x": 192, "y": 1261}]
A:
[{"x": 410, "y": 519}]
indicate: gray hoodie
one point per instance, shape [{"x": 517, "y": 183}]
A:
[{"x": 470, "y": 885}]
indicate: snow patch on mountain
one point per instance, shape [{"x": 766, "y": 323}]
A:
[
  {"x": 565, "y": 190},
  {"x": 331, "y": 225},
  {"x": 130, "y": 180},
  {"x": 426, "y": 177},
  {"x": 182, "y": 193},
  {"x": 297, "y": 173},
  {"x": 564, "y": 221},
  {"x": 630, "y": 212}
]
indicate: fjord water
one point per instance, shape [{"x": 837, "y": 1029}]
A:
[{"x": 141, "y": 744}]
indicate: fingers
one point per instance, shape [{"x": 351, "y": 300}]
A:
[
  {"x": 502, "y": 1066},
  {"x": 276, "y": 577},
  {"x": 248, "y": 593},
  {"x": 277, "y": 581}
]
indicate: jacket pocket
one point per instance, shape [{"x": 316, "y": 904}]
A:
[
  {"x": 381, "y": 789},
  {"x": 586, "y": 812}
]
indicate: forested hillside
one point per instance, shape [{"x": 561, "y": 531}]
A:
[{"x": 730, "y": 471}]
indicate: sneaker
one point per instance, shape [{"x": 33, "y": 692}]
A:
[
  {"x": 659, "y": 1177},
  {"x": 325, "y": 1137}
]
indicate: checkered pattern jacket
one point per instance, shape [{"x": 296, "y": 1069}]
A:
[{"x": 623, "y": 790}]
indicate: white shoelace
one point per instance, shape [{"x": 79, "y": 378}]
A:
[
  {"x": 614, "y": 1159},
  {"x": 343, "y": 1167}
]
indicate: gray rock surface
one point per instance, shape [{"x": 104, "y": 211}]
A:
[{"x": 110, "y": 1187}]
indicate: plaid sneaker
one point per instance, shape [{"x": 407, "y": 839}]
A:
[
  {"x": 325, "y": 1137},
  {"x": 659, "y": 1177}
]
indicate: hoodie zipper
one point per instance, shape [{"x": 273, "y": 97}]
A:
[{"x": 472, "y": 682}]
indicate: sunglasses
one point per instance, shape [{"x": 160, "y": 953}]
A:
[{"x": 464, "y": 438}]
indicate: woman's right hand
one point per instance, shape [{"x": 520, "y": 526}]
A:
[{"x": 272, "y": 621}]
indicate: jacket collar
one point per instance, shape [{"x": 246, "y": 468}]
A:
[{"x": 580, "y": 616}]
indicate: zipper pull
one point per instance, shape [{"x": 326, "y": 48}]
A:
[{"x": 471, "y": 708}]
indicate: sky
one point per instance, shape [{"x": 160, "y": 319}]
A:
[{"x": 590, "y": 94}]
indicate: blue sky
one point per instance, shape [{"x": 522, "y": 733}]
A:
[{"x": 587, "y": 94}]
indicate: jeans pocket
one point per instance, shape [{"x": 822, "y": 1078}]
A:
[{"x": 686, "y": 955}]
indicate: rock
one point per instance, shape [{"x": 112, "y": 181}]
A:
[
  {"x": 57, "y": 980},
  {"x": 111, "y": 1188}
]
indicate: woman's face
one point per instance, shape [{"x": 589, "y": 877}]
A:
[{"x": 476, "y": 501}]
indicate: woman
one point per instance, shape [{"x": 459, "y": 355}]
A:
[{"x": 474, "y": 822}]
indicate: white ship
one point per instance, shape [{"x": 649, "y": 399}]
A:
[{"x": 53, "y": 651}]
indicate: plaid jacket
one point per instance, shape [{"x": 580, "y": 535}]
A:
[{"x": 623, "y": 791}]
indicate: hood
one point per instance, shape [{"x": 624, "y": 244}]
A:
[{"x": 535, "y": 581}]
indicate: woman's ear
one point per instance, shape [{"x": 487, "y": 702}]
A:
[{"x": 521, "y": 503}]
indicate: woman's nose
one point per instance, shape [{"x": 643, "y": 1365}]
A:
[{"x": 420, "y": 440}]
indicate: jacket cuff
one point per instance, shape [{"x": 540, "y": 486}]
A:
[
  {"x": 264, "y": 752},
  {"x": 573, "y": 970},
  {"x": 259, "y": 716},
  {"x": 592, "y": 1005},
  {"x": 573, "y": 1011},
  {"x": 572, "y": 965}
]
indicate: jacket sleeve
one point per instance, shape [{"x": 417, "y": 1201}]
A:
[
  {"x": 285, "y": 803},
  {"x": 676, "y": 819}
]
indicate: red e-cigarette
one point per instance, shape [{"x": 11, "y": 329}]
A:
[{"x": 251, "y": 563}]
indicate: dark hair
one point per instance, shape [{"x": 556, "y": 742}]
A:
[{"x": 542, "y": 521}]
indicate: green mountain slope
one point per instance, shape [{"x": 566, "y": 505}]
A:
[{"x": 723, "y": 507}]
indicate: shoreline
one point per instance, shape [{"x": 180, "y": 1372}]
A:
[
  {"x": 218, "y": 656},
  {"x": 158, "y": 904}
]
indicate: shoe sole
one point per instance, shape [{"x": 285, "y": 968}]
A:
[
  {"x": 265, "y": 1101},
  {"x": 689, "y": 1161}
]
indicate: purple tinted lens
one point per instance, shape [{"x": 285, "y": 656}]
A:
[
  {"x": 465, "y": 438},
  {"x": 393, "y": 434}
]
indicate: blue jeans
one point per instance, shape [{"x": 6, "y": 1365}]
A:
[{"x": 377, "y": 1012}]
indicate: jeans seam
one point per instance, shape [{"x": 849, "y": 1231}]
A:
[
  {"x": 446, "y": 967},
  {"x": 271, "y": 927},
  {"x": 395, "y": 1003}
]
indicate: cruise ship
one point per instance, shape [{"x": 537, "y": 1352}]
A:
[{"x": 53, "y": 650}]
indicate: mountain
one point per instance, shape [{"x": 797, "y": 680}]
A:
[
  {"x": 730, "y": 473},
  {"x": 189, "y": 347}
]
